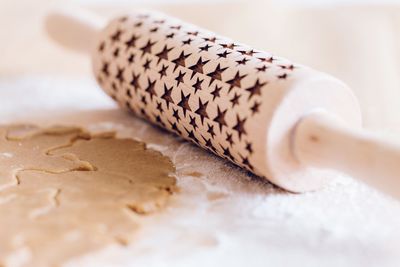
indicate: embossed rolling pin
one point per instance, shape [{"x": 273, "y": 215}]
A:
[{"x": 293, "y": 125}]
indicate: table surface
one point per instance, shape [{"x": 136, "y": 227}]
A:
[{"x": 221, "y": 217}]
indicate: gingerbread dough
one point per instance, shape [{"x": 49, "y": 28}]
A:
[{"x": 65, "y": 192}]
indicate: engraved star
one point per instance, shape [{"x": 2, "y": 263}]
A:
[
  {"x": 282, "y": 76},
  {"x": 179, "y": 78},
  {"x": 229, "y": 46},
  {"x": 104, "y": 69},
  {"x": 255, "y": 108},
  {"x": 262, "y": 68},
  {"x": 167, "y": 95},
  {"x": 246, "y": 162},
  {"x": 132, "y": 41},
  {"x": 155, "y": 29},
  {"x": 249, "y": 147},
  {"x": 193, "y": 122},
  {"x": 159, "y": 107},
  {"x": 174, "y": 127},
  {"x": 177, "y": 27},
  {"x": 208, "y": 142},
  {"x": 147, "y": 47},
  {"x": 187, "y": 42},
  {"x": 120, "y": 75},
  {"x": 116, "y": 52},
  {"x": 216, "y": 91},
  {"x": 159, "y": 121},
  {"x": 216, "y": 74},
  {"x": 235, "y": 100},
  {"x": 151, "y": 88},
  {"x": 197, "y": 85},
  {"x": 205, "y": 48},
  {"x": 190, "y": 134},
  {"x": 180, "y": 61},
  {"x": 255, "y": 89},
  {"x": 287, "y": 67},
  {"x": 194, "y": 33},
  {"x": 163, "y": 71},
  {"x": 131, "y": 58},
  {"x": 223, "y": 54},
  {"x": 227, "y": 153},
  {"x": 248, "y": 53},
  {"x": 161, "y": 21},
  {"x": 184, "y": 103},
  {"x": 170, "y": 36},
  {"x": 267, "y": 59},
  {"x": 202, "y": 111},
  {"x": 235, "y": 81},
  {"x": 211, "y": 39},
  {"x": 128, "y": 92},
  {"x": 138, "y": 24},
  {"x": 210, "y": 130},
  {"x": 144, "y": 100},
  {"x": 198, "y": 67},
  {"x": 163, "y": 54},
  {"x": 135, "y": 81},
  {"x": 176, "y": 114},
  {"x": 239, "y": 127},
  {"x": 220, "y": 118},
  {"x": 243, "y": 61},
  {"x": 102, "y": 46},
  {"x": 116, "y": 36},
  {"x": 229, "y": 139},
  {"x": 146, "y": 65}
]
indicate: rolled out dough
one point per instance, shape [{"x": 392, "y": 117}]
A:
[{"x": 65, "y": 192}]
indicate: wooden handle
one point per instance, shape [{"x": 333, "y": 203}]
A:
[{"x": 324, "y": 141}]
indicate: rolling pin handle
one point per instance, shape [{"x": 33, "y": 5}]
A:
[
  {"x": 324, "y": 141},
  {"x": 74, "y": 29}
]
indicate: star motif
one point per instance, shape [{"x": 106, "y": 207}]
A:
[
  {"x": 255, "y": 108},
  {"x": 131, "y": 42},
  {"x": 243, "y": 61},
  {"x": 159, "y": 121},
  {"x": 131, "y": 58},
  {"x": 163, "y": 71},
  {"x": 235, "y": 100},
  {"x": 262, "y": 68},
  {"x": 123, "y": 19},
  {"x": 208, "y": 142},
  {"x": 287, "y": 67},
  {"x": 255, "y": 89},
  {"x": 155, "y": 29},
  {"x": 180, "y": 61},
  {"x": 146, "y": 65},
  {"x": 116, "y": 52},
  {"x": 216, "y": 91},
  {"x": 211, "y": 39},
  {"x": 229, "y": 46},
  {"x": 167, "y": 95},
  {"x": 205, "y": 48},
  {"x": 135, "y": 81},
  {"x": 193, "y": 122},
  {"x": 104, "y": 69},
  {"x": 184, "y": 103},
  {"x": 249, "y": 147},
  {"x": 159, "y": 107},
  {"x": 267, "y": 59},
  {"x": 151, "y": 88},
  {"x": 144, "y": 100},
  {"x": 197, "y": 85},
  {"x": 210, "y": 130},
  {"x": 235, "y": 81},
  {"x": 163, "y": 54},
  {"x": 161, "y": 21},
  {"x": 176, "y": 114},
  {"x": 120, "y": 75},
  {"x": 190, "y": 134},
  {"x": 246, "y": 162},
  {"x": 227, "y": 153},
  {"x": 220, "y": 118},
  {"x": 248, "y": 53},
  {"x": 187, "y": 42},
  {"x": 229, "y": 139},
  {"x": 179, "y": 78},
  {"x": 138, "y": 24},
  {"x": 194, "y": 33},
  {"x": 216, "y": 74},
  {"x": 223, "y": 54},
  {"x": 147, "y": 47},
  {"x": 128, "y": 92},
  {"x": 239, "y": 127},
  {"x": 282, "y": 77},
  {"x": 198, "y": 67},
  {"x": 102, "y": 46},
  {"x": 174, "y": 127},
  {"x": 170, "y": 36},
  {"x": 177, "y": 27},
  {"x": 202, "y": 111},
  {"x": 116, "y": 36}
]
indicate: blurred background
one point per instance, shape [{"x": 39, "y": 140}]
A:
[{"x": 356, "y": 41}]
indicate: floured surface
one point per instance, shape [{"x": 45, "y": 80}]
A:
[
  {"x": 221, "y": 216},
  {"x": 65, "y": 193}
]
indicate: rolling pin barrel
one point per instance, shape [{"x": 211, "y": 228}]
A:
[{"x": 240, "y": 103}]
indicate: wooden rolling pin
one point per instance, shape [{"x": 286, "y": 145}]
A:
[{"x": 295, "y": 126}]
